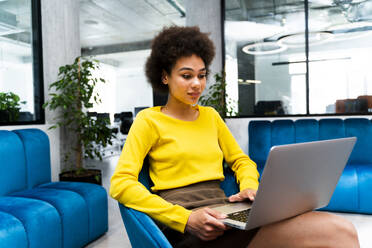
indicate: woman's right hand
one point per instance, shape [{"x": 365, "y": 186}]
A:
[{"x": 204, "y": 224}]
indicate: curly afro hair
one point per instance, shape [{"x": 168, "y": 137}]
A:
[{"x": 171, "y": 44}]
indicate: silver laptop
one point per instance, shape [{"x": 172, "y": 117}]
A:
[{"x": 297, "y": 178}]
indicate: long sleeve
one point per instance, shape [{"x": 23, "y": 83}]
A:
[
  {"x": 125, "y": 186},
  {"x": 244, "y": 168}
]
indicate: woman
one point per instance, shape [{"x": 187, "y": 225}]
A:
[{"x": 186, "y": 144}]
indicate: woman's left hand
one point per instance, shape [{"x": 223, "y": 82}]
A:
[{"x": 249, "y": 194}]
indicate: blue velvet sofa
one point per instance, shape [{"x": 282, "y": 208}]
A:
[
  {"x": 38, "y": 213},
  {"x": 353, "y": 192}
]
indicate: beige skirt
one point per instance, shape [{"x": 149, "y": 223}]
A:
[{"x": 196, "y": 196}]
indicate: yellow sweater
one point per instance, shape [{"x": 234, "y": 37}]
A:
[{"x": 180, "y": 153}]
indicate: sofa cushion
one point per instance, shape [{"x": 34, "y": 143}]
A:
[
  {"x": 72, "y": 211},
  {"x": 362, "y": 129},
  {"x": 259, "y": 141},
  {"x": 12, "y": 232},
  {"x": 36, "y": 150},
  {"x": 40, "y": 220},
  {"x": 346, "y": 196},
  {"x": 364, "y": 187},
  {"x": 306, "y": 130},
  {"x": 96, "y": 202},
  {"x": 12, "y": 163},
  {"x": 331, "y": 129},
  {"x": 282, "y": 132}
]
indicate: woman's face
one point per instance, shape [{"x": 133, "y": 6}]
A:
[{"x": 187, "y": 80}]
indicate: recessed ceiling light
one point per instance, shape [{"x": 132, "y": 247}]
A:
[
  {"x": 248, "y": 81},
  {"x": 263, "y": 48},
  {"x": 298, "y": 40}
]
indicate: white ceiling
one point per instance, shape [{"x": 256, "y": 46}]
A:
[{"x": 108, "y": 22}]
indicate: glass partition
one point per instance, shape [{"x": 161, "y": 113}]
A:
[
  {"x": 298, "y": 57},
  {"x": 119, "y": 34},
  {"x": 340, "y": 80},
  {"x": 21, "y": 94}
]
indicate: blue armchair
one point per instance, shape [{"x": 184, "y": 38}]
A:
[{"x": 142, "y": 230}]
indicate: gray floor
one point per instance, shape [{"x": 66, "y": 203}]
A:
[{"x": 117, "y": 237}]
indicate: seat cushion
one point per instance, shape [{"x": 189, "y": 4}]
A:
[
  {"x": 12, "y": 232},
  {"x": 72, "y": 210},
  {"x": 39, "y": 218},
  {"x": 95, "y": 197}
]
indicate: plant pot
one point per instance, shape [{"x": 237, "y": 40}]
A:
[{"x": 85, "y": 176}]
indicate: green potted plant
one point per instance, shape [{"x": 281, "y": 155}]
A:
[
  {"x": 74, "y": 96},
  {"x": 10, "y": 105},
  {"x": 217, "y": 96}
]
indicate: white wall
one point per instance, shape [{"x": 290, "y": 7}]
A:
[{"x": 132, "y": 90}]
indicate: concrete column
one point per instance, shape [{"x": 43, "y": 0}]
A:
[
  {"x": 61, "y": 45},
  {"x": 207, "y": 15}
]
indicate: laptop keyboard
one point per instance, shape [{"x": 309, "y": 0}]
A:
[{"x": 240, "y": 216}]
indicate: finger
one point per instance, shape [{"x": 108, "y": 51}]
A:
[
  {"x": 216, "y": 214},
  {"x": 215, "y": 223},
  {"x": 235, "y": 198},
  {"x": 250, "y": 196}
]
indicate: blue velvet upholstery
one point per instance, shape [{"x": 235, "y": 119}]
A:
[
  {"x": 12, "y": 232},
  {"x": 36, "y": 146},
  {"x": 52, "y": 214},
  {"x": 73, "y": 215},
  {"x": 352, "y": 193},
  {"x": 40, "y": 220},
  {"x": 12, "y": 163},
  {"x": 96, "y": 203},
  {"x": 142, "y": 230}
]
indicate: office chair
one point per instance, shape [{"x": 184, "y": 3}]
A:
[
  {"x": 126, "y": 121},
  {"x": 142, "y": 230},
  {"x": 138, "y": 109},
  {"x": 269, "y": 108}
]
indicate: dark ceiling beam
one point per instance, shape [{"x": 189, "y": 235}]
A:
[
  {"x": 116, "y": 48},
  {"x": 178, "y": 7}
]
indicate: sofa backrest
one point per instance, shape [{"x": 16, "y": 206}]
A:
[
  {"x": 37, "y": 154},
  {"x": 12, "y": 163},
  {"x": 265, "y": 134}
]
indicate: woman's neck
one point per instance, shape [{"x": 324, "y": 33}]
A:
[{"x": 179, "y": 110}]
